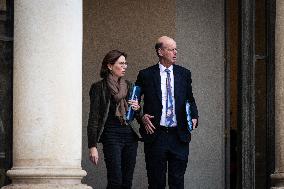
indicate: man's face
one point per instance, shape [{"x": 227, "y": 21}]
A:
[{"x": 169, "y": 52}]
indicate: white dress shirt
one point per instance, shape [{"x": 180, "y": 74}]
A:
[{"x": 163, "y": 75}]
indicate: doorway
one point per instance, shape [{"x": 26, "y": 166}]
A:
[
  {"x": 6, "y": 70},
  {"x": 250, "y": 109}
]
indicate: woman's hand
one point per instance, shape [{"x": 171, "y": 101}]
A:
[
  {"x": 94, "y": 155},
  {"x": 134, "y": 104}
]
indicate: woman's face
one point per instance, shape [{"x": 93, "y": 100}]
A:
[{"x": 119, "y": 67}]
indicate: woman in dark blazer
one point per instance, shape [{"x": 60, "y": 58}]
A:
[{"x": 107, "y": 123}]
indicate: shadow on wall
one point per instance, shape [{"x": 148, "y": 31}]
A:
[{"x": 130, "y": 26}]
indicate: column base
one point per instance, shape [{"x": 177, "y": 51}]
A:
[
  {"x": 277, "y": 180},
  {"x": 46, "y": 178},
  {"x": 47, "y": 186}
]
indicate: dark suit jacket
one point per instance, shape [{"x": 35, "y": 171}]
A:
[{"x": 150, "y": 82}]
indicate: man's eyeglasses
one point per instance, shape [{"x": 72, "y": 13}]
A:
[{"x": 171, "y": 50}]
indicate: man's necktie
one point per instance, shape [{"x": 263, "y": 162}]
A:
[{"x": 169, "y": 101}]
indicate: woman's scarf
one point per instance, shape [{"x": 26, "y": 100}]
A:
[{"x": 118, "y": 88}]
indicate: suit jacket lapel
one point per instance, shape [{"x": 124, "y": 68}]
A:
[
  {"x": 157, "y": 81},
  {"x": 177, "y": 81}
]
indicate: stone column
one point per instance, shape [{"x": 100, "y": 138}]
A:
[
  {"x": 278, "y": 176},
  {"x": 47, "y": 90}
]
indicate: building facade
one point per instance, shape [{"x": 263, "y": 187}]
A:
[{"x": 51, "y": 53}]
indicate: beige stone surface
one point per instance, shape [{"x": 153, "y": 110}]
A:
[
  {"x": 278, "y": 176},
  {"x": 47, "y": 99},
  {"x": 47, "y": 83},
  {"x": 130, "y": 26},
  {"x": 46, "y": 186}
]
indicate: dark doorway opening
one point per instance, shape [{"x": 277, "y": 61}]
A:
[
  {"x": 250, "y": 93},
  {"x": 6, "y": 77}
]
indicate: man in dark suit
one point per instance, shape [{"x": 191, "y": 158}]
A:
[{"x": 166, "y": 88}]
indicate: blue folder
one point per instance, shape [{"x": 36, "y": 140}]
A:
[
  {"x": 134, "y": 95},
  {"x": 188, "y": 116}
]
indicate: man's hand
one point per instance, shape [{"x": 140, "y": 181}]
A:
[
  {"x": 94, "y": 155},
  {"x": 194, "y": 123},
  {"x": 148, "y": 124}
]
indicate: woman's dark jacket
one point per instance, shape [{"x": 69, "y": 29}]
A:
[{"x": 100, "y": 102}]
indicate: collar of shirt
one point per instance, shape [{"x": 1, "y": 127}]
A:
[{"x": 162, "y": 68}]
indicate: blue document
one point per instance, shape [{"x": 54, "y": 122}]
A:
[
  {"x": 134, "y": 95},
  {"x": 188, "y": 116}
]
